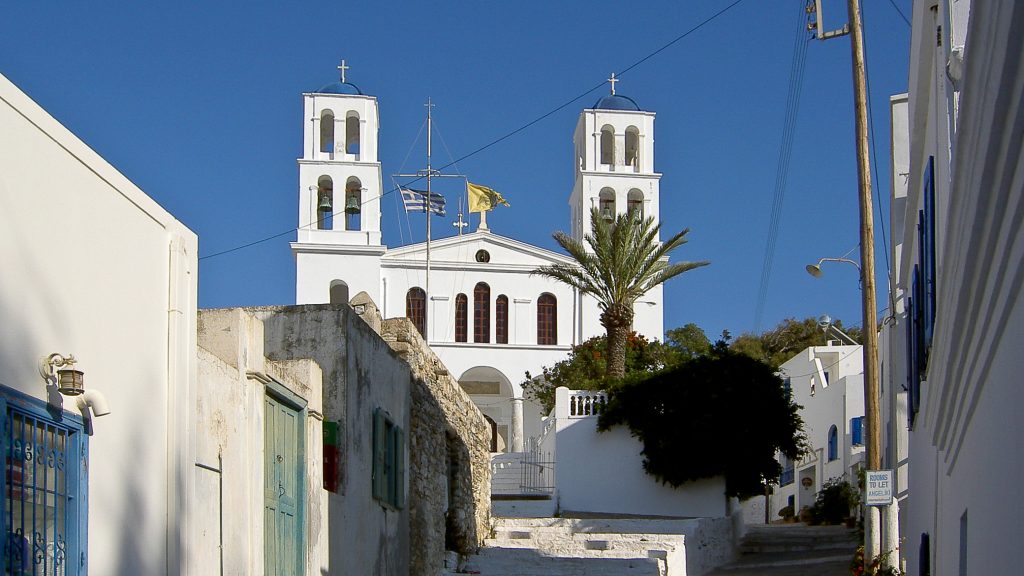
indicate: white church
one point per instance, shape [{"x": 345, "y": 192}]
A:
[{"x": 518, "y": 322}]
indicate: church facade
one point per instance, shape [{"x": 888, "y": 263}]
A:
[{"x": 480, "y": 308}]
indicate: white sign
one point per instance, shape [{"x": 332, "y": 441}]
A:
[{"x": 878, "y": 488}]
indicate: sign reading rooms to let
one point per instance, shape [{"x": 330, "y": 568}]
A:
[{"x": 879, "y": 488}]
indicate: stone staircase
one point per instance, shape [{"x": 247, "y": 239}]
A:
[
  {"x": 791, "y": 549},
  {"x": 587, "y": 546}
]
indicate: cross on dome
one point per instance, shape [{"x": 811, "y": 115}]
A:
[
  {"x": 612, "y": 81},
  {"x": 342, "y": 67}
]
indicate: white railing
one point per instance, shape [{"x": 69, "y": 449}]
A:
[{"x": 583, "y": 403}]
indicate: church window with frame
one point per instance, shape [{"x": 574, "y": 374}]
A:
[
  {"x": 45, "y": 488},
  {"x": 482, "y": 313},
  {"x": 327, "y": 131},
  {"x": 606, "y": 202},
  {"x": 352, "y": 133},
  {"x": 635, "y": 201},
  {"x": 461, "y": 317},
  {"x": 547, "y": 325},
  {"x": 324, "y": 203},
  {"x": 633, "y": 147},
  {"x": 501, "y": 319},
  {"x": 607, "y": 145},
  {"x": 416, "y": 309}
]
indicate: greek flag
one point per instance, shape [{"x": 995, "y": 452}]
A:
[{"x": 416, "y": 201}]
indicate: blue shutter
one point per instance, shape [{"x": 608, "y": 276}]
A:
[
  {"x": 927, "y": 249},
  {"x": 856, "y": 430}
]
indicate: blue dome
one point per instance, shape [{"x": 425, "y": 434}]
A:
[
  {"x": 340, "y": 88},
  {"x": 616, "y": 102}
]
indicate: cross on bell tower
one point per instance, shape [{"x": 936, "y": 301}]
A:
[
  {"x": 342, "y": 67},
  {"x": 611, "y": 81}
]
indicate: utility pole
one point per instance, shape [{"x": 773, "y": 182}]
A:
[
  {"x": 872, "y": 414},
  {"x": 867, "y": 261}
]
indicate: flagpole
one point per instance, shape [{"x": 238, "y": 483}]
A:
[{"x": 429, "y": 210}]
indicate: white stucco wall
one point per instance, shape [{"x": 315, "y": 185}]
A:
[
  {"x": 603, "y": 472},
  {"x": 964, "y": 448},
  {"x": 95, "y": 268}
]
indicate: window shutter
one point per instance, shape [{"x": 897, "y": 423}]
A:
[
  {"x": 378, "y": 454},
  {"x": 856, "y": 429},
  {"x": 399, "y": 467},
  {"x": 927, "y": 249}
]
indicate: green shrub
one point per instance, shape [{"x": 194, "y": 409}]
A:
[{"x": 833, "y": 503}]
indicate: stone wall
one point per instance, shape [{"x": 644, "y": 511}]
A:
[{"x": 448, "y": 451}]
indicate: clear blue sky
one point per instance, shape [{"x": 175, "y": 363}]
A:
[{"x": 199, "y": 103}]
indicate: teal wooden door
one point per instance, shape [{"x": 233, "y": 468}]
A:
[{"x": 282, "y": 477}]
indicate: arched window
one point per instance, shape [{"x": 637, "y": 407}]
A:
[
  {"x": 416, "y": 309},
  {"x": 325, "y": 203},
  {"x": 633, "y": 147},
  {"x": 461, "y": 315},
  {"x": 635, "y": 201},
  {"x": 482, "y": 313},
  {"x": 353, "y": 204},
  {"x": 501, "y": 319},
  {"x": 339, "y": 292},
  {"x": 833, "y": 443},
  {"x": 607, "y": 145},
  {"x": 327, "y": 131},
  {"x": 352, "y": 133},
  {"x": 606, "y": 200},
  {"x": 547, "y": 325}
]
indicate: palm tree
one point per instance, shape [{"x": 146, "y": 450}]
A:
[{"x": 620, "y": 261}]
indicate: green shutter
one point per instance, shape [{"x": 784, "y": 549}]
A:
[{"x": 399, "y": 467}]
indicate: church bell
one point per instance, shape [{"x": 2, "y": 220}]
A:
[
  {"x": 352, "y": 205},
  {"x": 325, "y": 203}
]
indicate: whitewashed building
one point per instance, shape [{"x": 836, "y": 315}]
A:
[
  {"x": 481, "y": 310},
  {"x": 97, "y": 483},
  {"x": 828, "y": 382},
  {"x": 959, "y": 256}
]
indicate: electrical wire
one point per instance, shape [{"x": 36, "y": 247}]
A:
[
  {"x": 509, "y": 134},
  {"x": 902, "y": 15},
  {"x": 796, "y": 80}
]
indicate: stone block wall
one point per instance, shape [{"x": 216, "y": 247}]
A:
[{"x": 450, "y": 485}]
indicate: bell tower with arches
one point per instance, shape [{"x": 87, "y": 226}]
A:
[
  {"x": 614, "y": 156},
  {"x": 613, "y": 148},
  {"x": 338, "y": 246}
]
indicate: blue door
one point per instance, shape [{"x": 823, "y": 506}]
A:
[{"x": 282, "y": 443}]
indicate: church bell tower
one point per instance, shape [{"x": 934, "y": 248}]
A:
[
  {"x": 338, "y": 247},
  {"x": 614, "y": 155},
  {"x": 614, "y": 167}
]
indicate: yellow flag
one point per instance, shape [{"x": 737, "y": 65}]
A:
[{"x": 482, "y": 198}]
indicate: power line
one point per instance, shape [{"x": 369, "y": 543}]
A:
[
  {"x": 513, "y": 132},
  {"x": 796, "y": 78},
  {"x": 902, "y": 15}
]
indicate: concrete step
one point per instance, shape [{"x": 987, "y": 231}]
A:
[{"x": 525, "y": 562}]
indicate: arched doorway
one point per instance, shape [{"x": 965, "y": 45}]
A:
[{"x": 492, "y": 392}]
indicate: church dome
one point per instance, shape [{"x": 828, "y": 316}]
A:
[
  {"x": 340, "y": 88},
  {"x": 616, "y": 102}
]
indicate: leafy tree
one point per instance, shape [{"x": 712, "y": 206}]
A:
[
  {"x": 584, "y": 369},
  {"x": 616, "y": 263},
  {"x": 686, "y": 343},
  {"x": 723, "y": 413},
  {"x": 781, "y": 343}
]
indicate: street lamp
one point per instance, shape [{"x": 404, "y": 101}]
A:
[{"x": 815, "y": 269}]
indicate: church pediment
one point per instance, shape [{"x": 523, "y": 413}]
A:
[{"x": 480, "y": 248}]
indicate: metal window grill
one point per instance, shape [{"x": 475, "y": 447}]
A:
[{"x": 41, "y": 496}]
